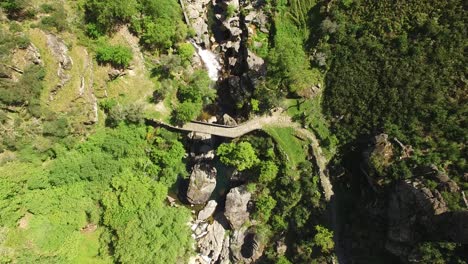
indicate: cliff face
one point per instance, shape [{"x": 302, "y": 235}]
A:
[{"x": 397, "y": 217}]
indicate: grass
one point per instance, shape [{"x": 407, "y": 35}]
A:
[
  {"x": 262, "y": 41},
  {"x": 308, "y": 112},
  {"x": 294, "y": 148}
]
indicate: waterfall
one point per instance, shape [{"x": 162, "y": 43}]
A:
[{"x": 210, "y": 60}]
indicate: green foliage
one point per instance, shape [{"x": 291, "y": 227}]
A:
[
  {"x": 268, "y": 172},
  {"x": 264, "y": 205},
  {"x": 259, "y": 44},
  {"x": 324, "y": 238},
  {"x": 185, "y": 112},
  {"x": 440, "y": 253},
  {"x": 161, "y": 24},
  {"x": 145, "y": 231},
  {"x": 16, "y": 9},
  {"x": 198, "y": 89},
  {"x": 56, "y": 19},
  {"x": 369, "y": 87},
  {"x": 25, "y": 92},
  {"x": 241, "y": 155},
  {"x": 108, "y": 14},
  {"x": 193, "y": 95},
  {"x": 289, "y": 65},
  {"x": 57, "y": 128},
  {"x": 186, "y": 51},
  {"x": 117, "y": 179},
  {"x": 230, "y": 11},
  {"x": 283, "y": 260},
  {"x": 118, "y": 56},
  {"x": 129, "y": 114}
]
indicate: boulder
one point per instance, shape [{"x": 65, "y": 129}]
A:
[
  {"x": 412, "y": 208},
  {"x": 209, "y": 209},
  {"x": 33, "y": 54},
  {"x": 196, "y": 11},
  {"x": 199, "y": 136},
  {"x": 255, "y": 63},
  {"x": 236, "y": 208},
  {"x": 245, "y": 246},
  {"x": 60, "y": 52},
  {"x": 115, "y": 73},
  {"x": 228, "y": 120},
  {"x": 211, "y": 245},
  {"x": 224, "y": 257},
  {"x": 202, "y": 183}
]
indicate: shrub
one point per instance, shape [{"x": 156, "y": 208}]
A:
[
  {"x": 242, "y": 155},
  {"x": 118, "y": 56},
  {"x": 185, "y": 112},
  {"x": 57, "y": 20},
  {"x": 230, "y": 11},
  {"x": 186, "y": 51},
  {"x": 56, "y": 128}
]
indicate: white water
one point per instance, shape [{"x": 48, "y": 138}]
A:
[{"x": 210, "y": 60}]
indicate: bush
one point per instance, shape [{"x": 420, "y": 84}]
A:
[
  {"x": 185, "y": 112},
  {"x": 186, "y": 51},
  {"x": 230, "y": 11},
  {"x": 57, "y": 128},
  {"x": 108, "y": 14},
  {"x": 242, "y": 155},
  {"x": 117, "y": 56},
  {"x": 131, "y": 114},
  {"x": 57, "y": 20},
  {"x": 16, "y": 9}
]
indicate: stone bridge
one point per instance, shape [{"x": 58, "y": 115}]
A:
[{"x": 275, "y": 119}]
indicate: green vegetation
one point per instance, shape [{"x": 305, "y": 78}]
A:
[
  {"x": 158, "y": 23},
  {"x": 400, "y": 71},
  {"x": 118, "y": 56},
  {"x": 292, "y": 147},
  {"x": 56, "y": 18},
  {"x": 241, "y": 155},
  {"x": 116, "y": 182},
  {"x": 308, "y": 113},
  {"x": 193, "y": 94},
  {"x": 230, "y": 11},
  {"x": 287, "y": 197},
  {"x": 186, "y": 51},
  {"x": 17, "y": 9},
  {"x": 324, "y": 238},
  {"x": 259, "y": 44},
  {"x": 25, "y": 92}
]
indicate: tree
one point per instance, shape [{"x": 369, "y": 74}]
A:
[
  {"x": 241, "y": 155},
  {"x": 264, "y": 206},
  {"x": 186, "y": 51},
  {"x": 146, "y": 230},
  {"x": 118, "y": 56},
  {"x": 324, "y": 238},
  {"x": 185, "y": 112},
  {"x": 108, "y": 14},
  {"x": 268, "y": 171}
]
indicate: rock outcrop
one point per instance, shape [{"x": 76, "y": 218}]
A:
[
  {"x": 33, "y": 54},
  {"x": 417, "y": 213},
  {"x": 228, "y": 120},
  {"x": 237, "y": 206},
  {"x": 245, "y": 246},
  {"x": 202, "y": 183},
  {"x": 197, "y": 11},
  {"x": 211, "y": 245},
  {"x": 208, "y": 211},
  {"x": 60, "y": 51}
]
